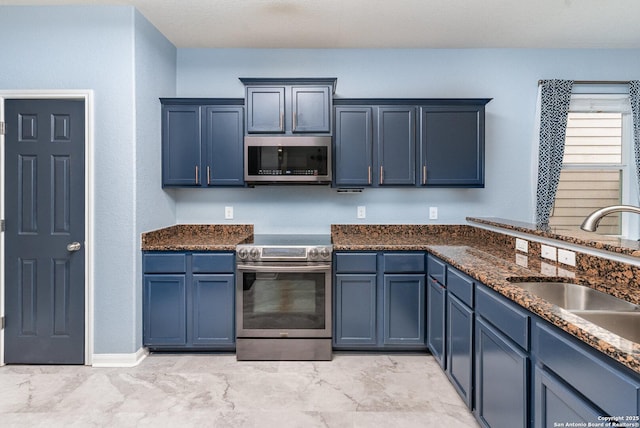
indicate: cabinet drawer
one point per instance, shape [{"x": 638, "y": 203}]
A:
[
  {"x": 403, "y": 262},
  {"x": 213, "y": 263},
  {"x": 356, "y": 263},
  {"x": 461, "y": 286},
  {"x": 503, "y": 314},
  {"x": 437, "y": 269},
  {"x": 608, "y": 388},
  {"x": 164, "y": 263}
]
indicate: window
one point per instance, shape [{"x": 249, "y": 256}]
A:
[{"x": 594, "y": 170}]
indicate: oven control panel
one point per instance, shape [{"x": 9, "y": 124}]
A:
[{"x": 256, "y": 253}]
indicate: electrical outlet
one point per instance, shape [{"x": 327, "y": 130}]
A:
[
  {"x": 228, "y": 213},
  {"x": 547, "y": 269},
  {"x": 433, "y": 213},
  {"x": 522, "y": 260},
  {"x": 522, "y": 245},
  {"x": 548, "y": 252},
  {"x": 566, "y": 257},
  {"x": 566, "y": 273},
  {"x": 362, "y": 211}
]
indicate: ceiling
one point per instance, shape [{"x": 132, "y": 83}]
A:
[{"x": 387, "y": 23}]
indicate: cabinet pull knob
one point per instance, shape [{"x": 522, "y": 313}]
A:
[
  {"x": 381, "y": 174},
  {"x": 369, "y": 173},
  {"x": 281, "y": 120},
  {"x": 295, "y": 121},
  {"x": 197, "y": 175},
  {"x": 424, "y": 174},
  {"x": 208, "y": 175}
]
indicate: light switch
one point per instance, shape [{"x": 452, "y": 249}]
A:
[
  {"x": 362, "y": 211},
  {"x": 522, "y": 245},
  {"x": 548, "y": 252},
  {"x": 566, "y": 257}
]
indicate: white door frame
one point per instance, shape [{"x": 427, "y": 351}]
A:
[{"x": 87, "y": 96}]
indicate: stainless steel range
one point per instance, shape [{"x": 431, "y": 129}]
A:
[{"x": 283, "y": 298}]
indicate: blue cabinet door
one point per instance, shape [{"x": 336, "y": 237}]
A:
[
  {"x": 355, "y": 310},
  {"x": 353, "y": 146},
  {"x": 311, "y": 109},
  {"x": 396, "y": 145},
  {"x": 452, "y": 146},
  {"x": 460, "y": 347},
  {"x": 555, "y": 403},
  {"x": 212, "y": 310},
  {"x": 502, "y": 379},
  {"x": 181, "y": 145},
  {"x": 436, "y": 298},
  {"x": 404, "y": 309},
  {"x": 164, "y": 310},
  {"x": 224, "y": 135},
  {"x": 265, "y": 109}
]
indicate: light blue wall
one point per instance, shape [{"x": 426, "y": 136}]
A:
[
  {"x": 155, "y": 77},
  {"x": 508, "y": 76},
  {"x": 128, "y": 65}
]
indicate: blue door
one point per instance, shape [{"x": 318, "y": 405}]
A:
[{"x": 44, "y": 242}]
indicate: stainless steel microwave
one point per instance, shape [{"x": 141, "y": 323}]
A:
[{"x": 287, "y": 159}]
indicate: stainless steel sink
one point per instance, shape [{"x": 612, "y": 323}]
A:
[
  {"x": 624, "y": 324},
  {"x": 606, "y": 311},
  {"x": 576, "y": 297}
]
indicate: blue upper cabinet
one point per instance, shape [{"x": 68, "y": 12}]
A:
[
  {"x": 202, "y": 142},
  {"x": 452, "y": 145},
  {"x": 409, "y": 142},
  {"x": 354, "y": 146},
  {"x": 265, "y": 109},
  {"x": 289, "y": 106},
  {"x": 181, "y": 145},
  {"x": 375, "y": 145},
  {"x": 224, "y": 134},
  {"x": 396, "y": 146}
]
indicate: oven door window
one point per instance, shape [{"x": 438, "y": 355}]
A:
[{"x": 284, "y": 301}]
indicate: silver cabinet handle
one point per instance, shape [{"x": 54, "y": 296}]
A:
[{"x": 74, "y": 246}]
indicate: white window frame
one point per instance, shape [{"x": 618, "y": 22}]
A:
[{"x": 615, "y": 103}]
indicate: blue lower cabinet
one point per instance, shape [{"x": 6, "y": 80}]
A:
[
  {"x": 377, "y": 310},
  {"x": 436, "y": 310},
  {"x": 164, "y": 310},
  {"x": 557, "y": 404},
  {"x": 460, "y": 347},
  {"x": 212, "y": 313},
  {"x": 355, "y": 310},
  {"x": 404, "y": 309},
  {"x": 591, "y": 380},
  {"x": 502, "y": 379},
  {"x": 193, "y": 305}
]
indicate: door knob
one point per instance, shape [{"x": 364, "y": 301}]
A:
[{"x": 74, "y": 246}]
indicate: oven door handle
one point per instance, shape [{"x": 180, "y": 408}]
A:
[{"x": 287, "y": 268}]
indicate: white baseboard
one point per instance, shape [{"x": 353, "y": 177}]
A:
[{"x": 119, "y": 360}]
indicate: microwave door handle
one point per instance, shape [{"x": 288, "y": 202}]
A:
[{"x": 288, "y": 268}]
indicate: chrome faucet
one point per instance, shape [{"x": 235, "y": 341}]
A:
[{"x": 590, "y": 224}]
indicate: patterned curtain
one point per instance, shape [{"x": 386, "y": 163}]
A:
[
  {"x": 634, "y": 97},
  {"x": 554, "y": 109}
]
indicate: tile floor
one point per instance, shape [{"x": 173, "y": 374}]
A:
[{"x": 209, "y": 390}]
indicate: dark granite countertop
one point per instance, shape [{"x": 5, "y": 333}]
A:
[
  {"x": 487, "y": 256},
  {"x": 491, "y": 259},
  {"x": 197, "y": 237},
  {"x": 574, "y": 236}
]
